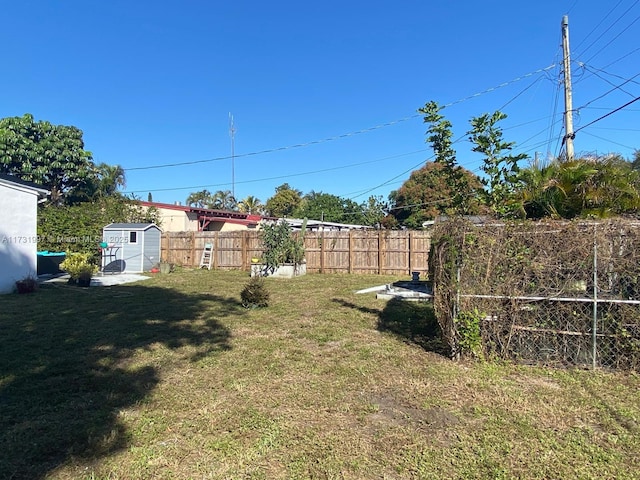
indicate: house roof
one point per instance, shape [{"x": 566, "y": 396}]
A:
[
  {"x": 5, "y": 178},
  {"x": 207, "y": 215},
  {"x": 130, "y": 226},
  {"x": 320, "y": 225}
]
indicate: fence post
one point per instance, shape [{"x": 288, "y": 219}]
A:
[
  {"x": 243, "y": 247},
  {"x": 216, "y": 248},
  {"x": 594, "y": 327},
  {"x": 322, "y": 252},
  {"x": 193, "y": 250},
  {"x": 409, "y": 259},
  {"x": 380, "y": 259},
  {"x": 351, "y": 233}
]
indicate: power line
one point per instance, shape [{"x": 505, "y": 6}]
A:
[
  {"x": 616, "y": 87},
  {"x": 607, "y": 114},
  {"x": 594, "y": 71},
  {"x": 616, "y": 37},
  {"x": 577, "y": 48},
  {"x": 609, "y": 141},
  {"x": 281, "y": 176},
  {"x": 337, "y": 137}
]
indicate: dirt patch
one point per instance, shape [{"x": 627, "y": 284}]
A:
[{"x": 392, "y": 413}]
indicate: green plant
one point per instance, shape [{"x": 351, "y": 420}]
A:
[
  {"x": 468, "y": 329},
  {"x": 255, "y": 293},
  {"x": 78, "y": 266},
  {"x": 280, "y": 245}
]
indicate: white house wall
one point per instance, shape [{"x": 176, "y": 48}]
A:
[{"x": 18, "y": 235}]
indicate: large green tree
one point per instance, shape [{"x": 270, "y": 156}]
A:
[
  {"x": 329, "y": 208},
  {"x": 284, "y": 202},
  {"x": 428, "y": 193},
  {"x": 50, "y": 155}
]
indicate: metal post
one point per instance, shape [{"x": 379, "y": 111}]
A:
[{"x": 594, "y": 327}]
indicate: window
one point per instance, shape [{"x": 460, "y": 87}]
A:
[{"x": 133, "y": 237}]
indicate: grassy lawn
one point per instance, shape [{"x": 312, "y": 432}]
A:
[{"x": 172, "y": 379}]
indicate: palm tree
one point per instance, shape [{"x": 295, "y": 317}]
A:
[
  {"x": 109, "y": 179},
  {"x": 251, "y": 205},
  {"x": 224, "y": 200},
  {"x": 201, "y": 199},
  {"x": 591, "y": 187}
]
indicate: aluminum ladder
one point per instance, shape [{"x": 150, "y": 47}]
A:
[{"x": 207, "y": 256}]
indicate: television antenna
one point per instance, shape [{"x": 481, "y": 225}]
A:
[{"x": 232, "y": 134}]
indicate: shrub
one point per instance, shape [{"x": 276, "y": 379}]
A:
[
  {"x": 78, "y": 266},
  {"x": 280, "y": 245},
  {"x": 255, "y": 293},
  {"x": 28, "y": 284}
]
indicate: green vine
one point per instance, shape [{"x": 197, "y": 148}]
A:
[{"x": 469, "y": 336}]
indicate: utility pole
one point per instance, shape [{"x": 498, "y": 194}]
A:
[
  {"x": 232, "y": 134},
  {"x": 568, "y": 102}
]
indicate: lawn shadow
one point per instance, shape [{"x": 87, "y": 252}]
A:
[
  {"x": 413, "y": 322},
  {"x": 68, "y": 365}
]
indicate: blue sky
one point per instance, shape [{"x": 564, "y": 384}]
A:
[{"x": 324, "y": 95}]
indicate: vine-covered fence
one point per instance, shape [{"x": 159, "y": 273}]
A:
[
  {"x": 382, "y": 252},
  {"x": 552, "y": 292}
]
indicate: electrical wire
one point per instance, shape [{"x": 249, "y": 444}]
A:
[
  {"x": 341, "y": 167},
  {"x": 617, "y": 36},
  {"x": 577, "y": 48},
  {"x": 616, "y": 87},
  {"x": 337, "y": 137},
  {"x": 608, "y": 140},
  {"x": 607, "y": 114}
]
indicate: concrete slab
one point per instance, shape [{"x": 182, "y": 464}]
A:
[{"x": 99, "y": 280}]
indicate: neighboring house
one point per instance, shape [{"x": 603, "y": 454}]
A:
[
  {"x": 18, "y": 230},
  {"x": 320, "y": 226},
  {"x": 183, "y": 218},
  {"x": 130, "y": 247}
]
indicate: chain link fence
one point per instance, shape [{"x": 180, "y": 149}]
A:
[{"x": 546, "y": 293}]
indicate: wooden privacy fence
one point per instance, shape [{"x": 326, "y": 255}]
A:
[{"x": 385, "y": 252}]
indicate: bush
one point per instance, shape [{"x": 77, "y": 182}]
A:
[
  {"x": 78, "y": 266},
  {"x": 255, "y": 293},
  {"x": 28, "y": 284},
  {"x": 280, "y": 245}
]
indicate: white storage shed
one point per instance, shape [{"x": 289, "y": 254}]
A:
[{"x": 130, "y": 247}]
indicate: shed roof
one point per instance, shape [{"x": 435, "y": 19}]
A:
[{"x": 130, "y": 226}]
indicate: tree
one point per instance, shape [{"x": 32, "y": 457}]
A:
[
  {"x": 635, "y": 163},
  {"x": 223, "y": 200},
  {"x": 78, "y": 228},
  {"x": 50, "y": 155},
  {"x": 329, "y": 208},
  {"x": 500, "y": 170},
  {"x": 201, "y": 199},
  {"x": 251, "y": 205},
  {"x": 440, "y": 134},
  {"x": 284, "y": 202},
  {"x": 374, "y": 210},
  {"x": 427, "y": 194},
  {"x": 104, "y": 181},
  {"x": 586, "y": 187}
]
